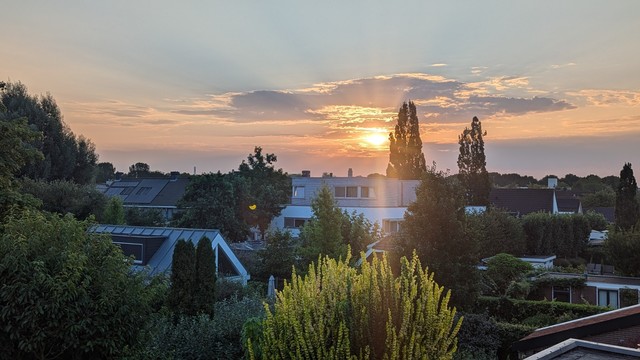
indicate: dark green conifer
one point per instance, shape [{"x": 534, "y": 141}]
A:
[{"x": 627, "y": 210}]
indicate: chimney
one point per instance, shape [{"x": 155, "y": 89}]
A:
[
  {"x": 306, "y": 173},
  {"x": 552, "y": 182},
  {"x": 350, "y": 172},
  {"x": 174, "y": 175}
]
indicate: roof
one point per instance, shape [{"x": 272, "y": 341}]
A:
[
  {"x": 569, "y": 205},
  {"x": 160, "y": 192},
  {"x": 580, "y": 328},
  {"x": 161, "y": 259},
  {"x": 573, "y": 349},
  {"x": 523, "y": 201}
]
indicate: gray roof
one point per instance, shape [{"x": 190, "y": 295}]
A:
[
  {"x": 161, "y": 192},
  {"x": 573, "y": 349},
  {"x": 161, "y": 260}
]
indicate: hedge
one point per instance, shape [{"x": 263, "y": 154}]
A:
[{"x": 516, "y": 311}]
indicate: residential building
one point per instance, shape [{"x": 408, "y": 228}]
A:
[
  {"x": 616, "y": 328},
  {"x": 160, "y": 194},
  {"x": 152, "y": 248},
  {"x": 380, "y": 200},
  {"x": 520, "y": 202}
]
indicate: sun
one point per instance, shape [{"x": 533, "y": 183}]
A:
[{"x": 375, "y": 139}]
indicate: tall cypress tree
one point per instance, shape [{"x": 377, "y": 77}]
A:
[
  {"x": 627, "y": 210},
  {"x": 472, "y": 165},
  {"x": 205, "y": 281},
  {"x": 406, "y": 160},
  {"x": 183, "y": 269}
]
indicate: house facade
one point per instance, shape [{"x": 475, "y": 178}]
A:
[{"x": 380, "y": 200}]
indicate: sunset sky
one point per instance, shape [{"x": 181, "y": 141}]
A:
[{"x": 177, "y": 84}]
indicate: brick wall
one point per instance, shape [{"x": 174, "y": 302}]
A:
[{"x": 628, "y": 337}]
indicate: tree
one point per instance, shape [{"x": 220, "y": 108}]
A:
[
  {"x": 205, "y": 278},
  {"x": 65, "y": 157},
  {"x": 269, "y": 189},
  {"x": 602, "y": 198},
  {"x": 105, "y": 171},
  {"x": 322, "y": 234},
  {"x": 65, "y": 293},
  {"x": 144, "y": 217},
  {"x": 340, "y": 312},
  {"x": 278, "y": 256},
  {"x": 623, "y": 250},
  {"x": 215, "y": 201},
  {"x": 63, "y": 197},
  {"x": 358, "y": 232},
  {"x": 114, "y": 212},
  {"x": 435, "y": 227},
  {"x": 183, "y": 278},
  {"x": 504, "y": 269},
  {"x": 472, "y": 165},
  {"x": 406, "y": 160},
  {"x": 497, "y": 232},
  {"x": 627, "y": 210},
  {"x": 139, "y": 169},
  {"x": 16, "y": 152}
]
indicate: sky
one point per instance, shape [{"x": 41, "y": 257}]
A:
[{"x": 184, "y": 85}]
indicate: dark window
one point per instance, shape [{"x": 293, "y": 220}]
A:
[
  {"x": 135, "y": 250},
  {"x": 364, "y": 192},
  {"x": 294, "y": 222},
  {"x": 562, "y": 293},
  {"x": 352, "y": 191},
  {"x": 608, "y": 298},
  {"x": 340, "y": 191}
]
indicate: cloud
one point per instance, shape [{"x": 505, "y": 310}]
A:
[
  {"x": 559, "y": 66},
  {"x": 606, "y": 98}
]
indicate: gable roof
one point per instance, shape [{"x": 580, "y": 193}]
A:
[
  {"x": 524, "y": 201},
  {"x": 165, "y": 238},
  {"x": 572, "y": 349},
  {"x": 580, "y": 328},
  {"x": 160, "y": 192}
]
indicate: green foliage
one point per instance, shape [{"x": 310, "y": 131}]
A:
[
  {"x": 478, "y": 338},
  {"x": 623, "y": 250},
  {"x": 497, "y": 232},
  {"x": 406, "y": 160},
  {"x": 139, "y": 169},
  {"x": 144, "y": 217},
  {"x": 562, "y": 235},
  {"x": 602, "y": 198},
  {"x": 65, "y": 293},
  {"x": 269, "y": 189},
  {"x": 627, "y": 208},
  {"x": 183, "y": 279},
  {"x": 472, "y": 165},
  {"x": 114, "y": 212},
  {"x": 65, "y": 156},
  {"x": 358, "y": 232},
  {"x": 63, "y": 197},
  {"x": 105, "y": 171},
  {"x": 504, "y": 269},
  {"x": 511, "y": 180},
  {"x": 596, "y": 221},
  {"x": 205, "y": 277},
  {"x": 338, "y": 312},
  {"x": 516, "y": 311},
  {"x": 435, "y": 226},
  {"x": 214, "y": 201},
  {"x": 278, "y": 256},
  {"x": 200, "y": 337},
  {"x": 322, "y": 234},
  {"x": 548, "y": 281}
]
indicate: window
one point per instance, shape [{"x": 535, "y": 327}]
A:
[
  {"x": 391, "y": 226},
  {"x": 294, "y": 223},
  {"x": 561, "y": 293},
  {"x": 346, "y": 191},
  {"x": 132, "y": 249},
  {"x": 364, "y": 192},
  {"x": 608, "y": 298},
  {"x": 298, "y": 192}
]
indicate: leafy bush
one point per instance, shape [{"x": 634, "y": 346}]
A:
[
  {"x": 200, "y": 337},
  {"x": 478, "y": 338},
  {"x": 516, "y": 311}
]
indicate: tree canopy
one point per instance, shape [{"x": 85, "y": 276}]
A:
[
  {"x": 472, "y": 165},
  {"x": 627, "y": 210},
  {"x": 65, "y": 156},
  {"x": 406, "y": 160}
]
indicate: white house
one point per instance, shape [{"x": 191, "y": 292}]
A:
[{"x": 381, "y": 200}]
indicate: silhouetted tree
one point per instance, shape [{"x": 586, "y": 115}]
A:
[
  {"x": 406, "y": 160},
  {"x": 105, "y": 171},
  {"x": 183, "y": 277},
  {"x": 114, "y": 212},
  {"x": 472, "y": 165},
  {"x": 627, "y": 210},
  {"x": 205, "y": 281},
  {"x": 139, "y": 169}
]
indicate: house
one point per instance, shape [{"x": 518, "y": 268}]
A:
[
  {"x": 587, "y": 350},
  {"x": 152, "y": 248},
  {"x": 381, "y": 200},
  {"x": 619, "y": 328},
  {"x": 520, "y": 202},
  {"x": 161, "y": 194},
  {"x": 603, "y": 290}
]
